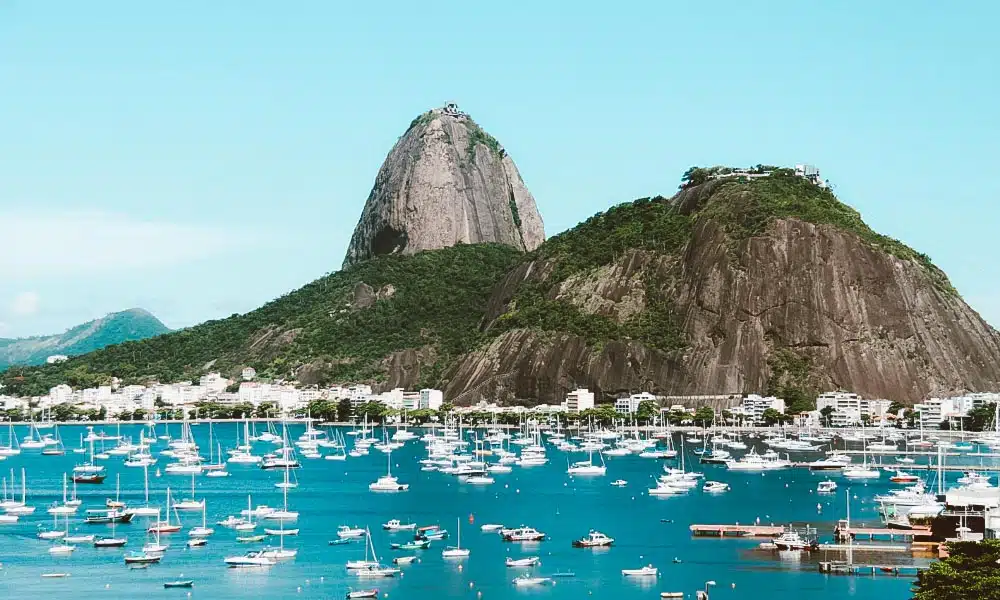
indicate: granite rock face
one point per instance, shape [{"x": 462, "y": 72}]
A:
[
  {"x": 800, "y": 296},
  {"x": 445, "y": 182}
]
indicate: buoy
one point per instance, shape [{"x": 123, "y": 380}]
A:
[
  {"x": 299, "y": 589},
  {"x": 107, "y": 586},
  {"x": 471, "y": 585},
  {"x": 733, "y": 586}
]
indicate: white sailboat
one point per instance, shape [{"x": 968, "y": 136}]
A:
[
  {"x": 204, "y": 530},
  {"x": 388, "y": 483},
  {"x": 280, "y": 553},
  {"x": 146, "y": 510},
  {"x": 155, "y": 547},
  {"x": 588, "y": 467},
  {"x": 284, "y": 514},
  {"x": 62, "y": 548},
  {"x": 65, "y": 508},
  {"x": 456, "y": 551},
  {"x": 191, "y": 503}
]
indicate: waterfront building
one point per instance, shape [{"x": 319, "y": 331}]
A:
[
  {"x": 630, "y": 405},
  {"x": 754, "y": 405},
  {"x": 579, "y": 400},
  {"x": 851, "y": 409},
  {"x": 431, "y": 399}
]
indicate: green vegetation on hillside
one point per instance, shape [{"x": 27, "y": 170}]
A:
[
  {"x": 477, "y": 135},
  {"x": 648, "y": 223},
  {"x": 437, "y": 302},
  {"x": 790, "y": 380},
  {"x": 746, "y": 208}
]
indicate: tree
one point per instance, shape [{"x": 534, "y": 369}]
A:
[
  {"x": 895, "y": 407},
  {"x": 981, "y": 417},
  {"x": 704, "y": 416},
  {"x": 969, "y": 573},
  {"x": 827, "y": 412},
  {"x": 694, "y": 176},
  {"x": 446, "y": 408},
  {"x": 771, "y": 416},
  {"x": 646, "y": 410},
  {"x": 344, "y": 410}
]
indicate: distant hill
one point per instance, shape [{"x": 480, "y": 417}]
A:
[{"x": 124, "y": 326}]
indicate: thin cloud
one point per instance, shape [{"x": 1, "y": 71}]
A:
[
  {"x": 25, "y": 304},
  {"x": 47, "y": 244}
]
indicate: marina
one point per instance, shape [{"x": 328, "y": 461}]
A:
[{"x": 313, "y": 528}]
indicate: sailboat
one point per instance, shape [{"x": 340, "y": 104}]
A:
[
  {"x": 204, "y": 530},
  {"x": 388, "y": 483},
  {"x": 284, "y": 514},
  {"x": 587, "y": 467},
  {"x": 11, "y": 449},
  {"x": 248, "y": 525},
  {"x": 370, "y": 568},
  {"x": 116, "y": 503},
  {"x": 146, "y": 510},
  {"x": 280, "y": 552},
  {"x": 165, "y": 526},
  {"x": 155, "y": 547},
  {"x": 190, "y": 503},
  {"x": 110, "y": 542},
  {"x": 63, "y": 548},
  {"x": 13, "y": 507},
  {"x": 65, "y": 508},
  {"x": 217, "y": 469},
  {"x": 456, "y": 551}
]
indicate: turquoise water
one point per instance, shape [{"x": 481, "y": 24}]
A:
[{"x": 648, "y": 530}]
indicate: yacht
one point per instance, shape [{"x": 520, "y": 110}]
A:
[
  {"x": 528, "y": 580},
  {"x": 834, "y": 462},
  {"x": 594, "y": 539},
  {"x": 523, "y": 534},
  {"x": 397, "y": 525},
  {"x": 647, "y": 571},
  {"x": 791, "y": 540},
  {"x": 587, "y": 467},
  {"x": 826, "y": 487},
  {"x": 755, "y": 462},
  {"x": 715, "y": 487},
  {"x": 254, "y": 558},
  {"x": 862, "y": 472},
  {"x": 530, "y": 561},
  {"x": 350, "y": 532},
  {"x": 903, "y": 477}
]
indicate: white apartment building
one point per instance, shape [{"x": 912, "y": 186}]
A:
[
  {"x": 248, "y": 374},
  {"x": 754, "y": 405},
  {"x": 630, "y": 405},
  {"x": 213, "y": 383},
  {"x": 359, "y": 394},
  {"x": 849, "y": 408},
  {"x": 934, "y": 412},
  {"x": 61, "y": 394},
  {"x": 431, "y": 399},
  {"x": 579, "y": 400}
]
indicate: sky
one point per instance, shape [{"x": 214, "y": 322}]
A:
[{"x": 198, "y": 159}]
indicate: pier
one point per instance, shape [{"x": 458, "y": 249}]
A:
[
  {"x": 737, "y": 530},
  {"x": 843, "y": 568},
  {"x": 844, "y": 532}
]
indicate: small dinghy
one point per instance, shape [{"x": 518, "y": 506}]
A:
[
  {"x": 186, "y": 583},
  {"x": 403, "y": 560},
  {"x": 363, "y": 594}
]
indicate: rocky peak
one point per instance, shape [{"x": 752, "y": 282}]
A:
[{"x": 445, "y": 182}]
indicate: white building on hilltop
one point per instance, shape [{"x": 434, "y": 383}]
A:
[
  {"x": 579, "y": 400},
  {"x": 248, "y": 374}
]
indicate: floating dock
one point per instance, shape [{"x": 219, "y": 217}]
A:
[{"x": 737, "y": 530}]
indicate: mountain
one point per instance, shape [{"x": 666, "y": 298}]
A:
[
  {"x": 133, "y": 324},
  {"x": 445, "y": 182},
  {"x": 736, "y": 284}
]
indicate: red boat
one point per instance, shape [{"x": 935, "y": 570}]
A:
[{"x": 89, "y": 478}]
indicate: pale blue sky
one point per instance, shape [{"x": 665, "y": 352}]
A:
[{"x": 199, "y": 158}]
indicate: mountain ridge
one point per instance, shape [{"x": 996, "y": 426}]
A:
[
  {"x": 732, "y": 285},
  {"x": 113, "y": 328}
]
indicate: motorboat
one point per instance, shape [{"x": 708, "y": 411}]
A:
[
  {"x": 397, "y": 525},
  {"x": 530, "y": 561},
  {"x": 186, "y": 583},
  {"x": 826, "y": 487},
  {"x": 345, "y": 531},
  {"x": 791, "y": 540},
  {"x": 666, "y": 489},
  {"x": 903, "y": 477},
  {"x": 715, "y": 487},
  {"x": 403, "y": 560},
  {"x": 110, "y": 542},
  {"x": 647, "y": 571},
  {"x": 415, "y": 545},
  {"x": 523, "y": 534},
  {"x": 527, "y": 580},
  {"x": 619, "y": 483},
  {"x": 834, "y": 462},
  {"x": 388, "y": 483},
  {"x": 490, "y": 527},
  {"x": 862, "y": 472},
  {"x": 250, "y": 559},
  {"x": 373, "y": 593},
  {"x": 594, "y": 539},
  {"x": 142, "y": 558},
  {"x": 756, "y": 462},
  {"x": 61, "y": 549},
  {"x": 251, "y": 539}
]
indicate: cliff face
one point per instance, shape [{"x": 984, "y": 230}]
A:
[
  {"x": 794, "y": 308},
  {"x": 445, "y": 182}
]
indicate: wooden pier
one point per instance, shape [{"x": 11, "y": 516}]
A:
[
  {"x": 844, "y": 568},
  {"x": 737, "y": 530},
  {"x": 843, "y": 533}
]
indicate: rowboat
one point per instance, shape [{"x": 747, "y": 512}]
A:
[{"x": 179, "y": 584}]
